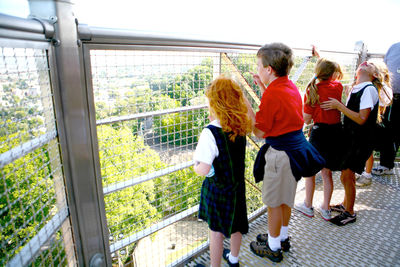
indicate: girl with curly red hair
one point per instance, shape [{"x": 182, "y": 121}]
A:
[{"x": 220, "y": 156}]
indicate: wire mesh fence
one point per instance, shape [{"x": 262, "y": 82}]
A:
[
  {"x": 33, "y": 207},
  {"x": 150, "y": 109}
]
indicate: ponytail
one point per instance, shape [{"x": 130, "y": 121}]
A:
[
  {"x": 312, "y": 89},
  {"x": 379, "y": 85}
]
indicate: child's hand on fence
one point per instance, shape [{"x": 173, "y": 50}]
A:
[{"x": 314, "y": 51}]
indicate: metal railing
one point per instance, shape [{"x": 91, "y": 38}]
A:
[
  {"x": 148, "y": 97},
  {"x": 35, "y": 226},
  {"x": 112, "y": 118}
]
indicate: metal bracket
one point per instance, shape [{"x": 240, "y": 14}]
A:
[{"x": 48, "y": 29}]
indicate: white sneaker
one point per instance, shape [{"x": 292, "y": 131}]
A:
[
  {"x": 325, "y": 214},
  {"x": 364, "y": 179},
  {"x": 309, "y": 212},
  {"x": 381, "y": 170}
]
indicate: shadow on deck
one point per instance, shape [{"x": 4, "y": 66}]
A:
[{"x": 373, "y": 240}]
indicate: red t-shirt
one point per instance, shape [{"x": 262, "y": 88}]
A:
[
  {"x": 280, "y": 108},
  {"x": 326, "y": 89}
]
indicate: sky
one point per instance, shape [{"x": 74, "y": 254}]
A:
[{"x": 330, "y": 25}]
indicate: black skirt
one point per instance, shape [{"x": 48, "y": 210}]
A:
[
  {"x": 327, "y": 139},
  {"x": 357, "y": 148}
]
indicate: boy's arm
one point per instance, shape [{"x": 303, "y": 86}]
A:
[
  {"x": 257, "y": 132},
  {"x": 201, "y": 168},
  {"x": 307, "y": 118},
  {"x": 250, "y": 112}
]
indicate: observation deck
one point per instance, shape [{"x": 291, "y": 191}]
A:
[
  {"x": 97, "y": 132},
  {"x": 371, "y": 241}
]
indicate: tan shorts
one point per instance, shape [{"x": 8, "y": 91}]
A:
[{"x": 279, "y": 184}]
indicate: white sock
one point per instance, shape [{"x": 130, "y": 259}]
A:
[
  {"x": 284, "y": 232},
  {"x": 233, "y": 259},
  {"x": 366, "y": 174},
  {"x": 274, "y": 242}
]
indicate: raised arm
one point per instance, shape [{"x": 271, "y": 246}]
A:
[{"x": 314, "y": 51}]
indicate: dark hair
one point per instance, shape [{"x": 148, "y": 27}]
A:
[{"x": 277, "y": 55}]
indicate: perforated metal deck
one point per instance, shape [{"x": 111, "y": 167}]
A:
[{"x": 373, "y": 240}]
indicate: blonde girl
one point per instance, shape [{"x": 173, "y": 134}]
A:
[
  {"x": 382, "y": 140},
  {"x": 360, "y": 116},
  {"x": 220, "y": 156},
  {"x": 325, "y": 132}
]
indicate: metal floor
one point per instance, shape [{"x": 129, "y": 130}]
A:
[{"x": 373, "y": 240}]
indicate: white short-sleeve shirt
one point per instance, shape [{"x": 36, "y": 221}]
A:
[
  {"x": 370, "y": 96},
  {"x": 207, "y": 150}
]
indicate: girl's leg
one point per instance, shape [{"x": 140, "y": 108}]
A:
[
  {"x": 328, "y": 187},
  {"x": 216, "y": 248},
  {"x": 369, "y": 164},
  {"x": 236, "y": 240},
  {"x": 310, "y": 187},
  {"x": 348, "y": 180}
]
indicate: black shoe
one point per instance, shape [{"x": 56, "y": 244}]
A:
[
  {"x": 263, "y": 250},
  {"x": 285, "y": 244},
  {"x": 338, "y": 208},
  {"x": 343, "y": 218},
  {"x": 225, "y": 255}
]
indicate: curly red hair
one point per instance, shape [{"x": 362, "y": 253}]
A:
[{"x": 227, "y": 104}]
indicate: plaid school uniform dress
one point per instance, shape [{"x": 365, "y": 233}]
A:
[{"x": 223, "y": 196}]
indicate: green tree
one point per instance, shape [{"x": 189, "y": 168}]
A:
[{"x": 27, "y": 197}]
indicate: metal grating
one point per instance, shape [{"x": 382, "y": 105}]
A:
[{"x": 371, "y": 241}]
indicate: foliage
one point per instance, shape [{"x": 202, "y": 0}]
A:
[
  {"x": 180, "y": 128},
  {"x": 26, "y": 197},
  {"x": 118, "y": 148}
]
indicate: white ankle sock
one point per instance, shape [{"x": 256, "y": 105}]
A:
[
  {"x": 233, "y": 259},
  {"x": 284, "y": 232},
  {"x": 274, "y": 242}
]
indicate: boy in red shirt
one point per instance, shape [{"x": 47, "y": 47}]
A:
[{"x": 289, "y": 156}]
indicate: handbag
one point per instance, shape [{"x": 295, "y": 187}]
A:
[{"x": 259, "y": 163}]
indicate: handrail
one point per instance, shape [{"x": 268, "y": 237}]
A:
[
  {"x": 122, "y": 36},
  {"x": 101, "y": 35},
  {"x": 36, "y": 27},
  {"x": 375, "y": 55}
]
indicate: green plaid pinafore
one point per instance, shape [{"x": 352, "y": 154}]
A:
[{"x": 223, "y": 196}]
